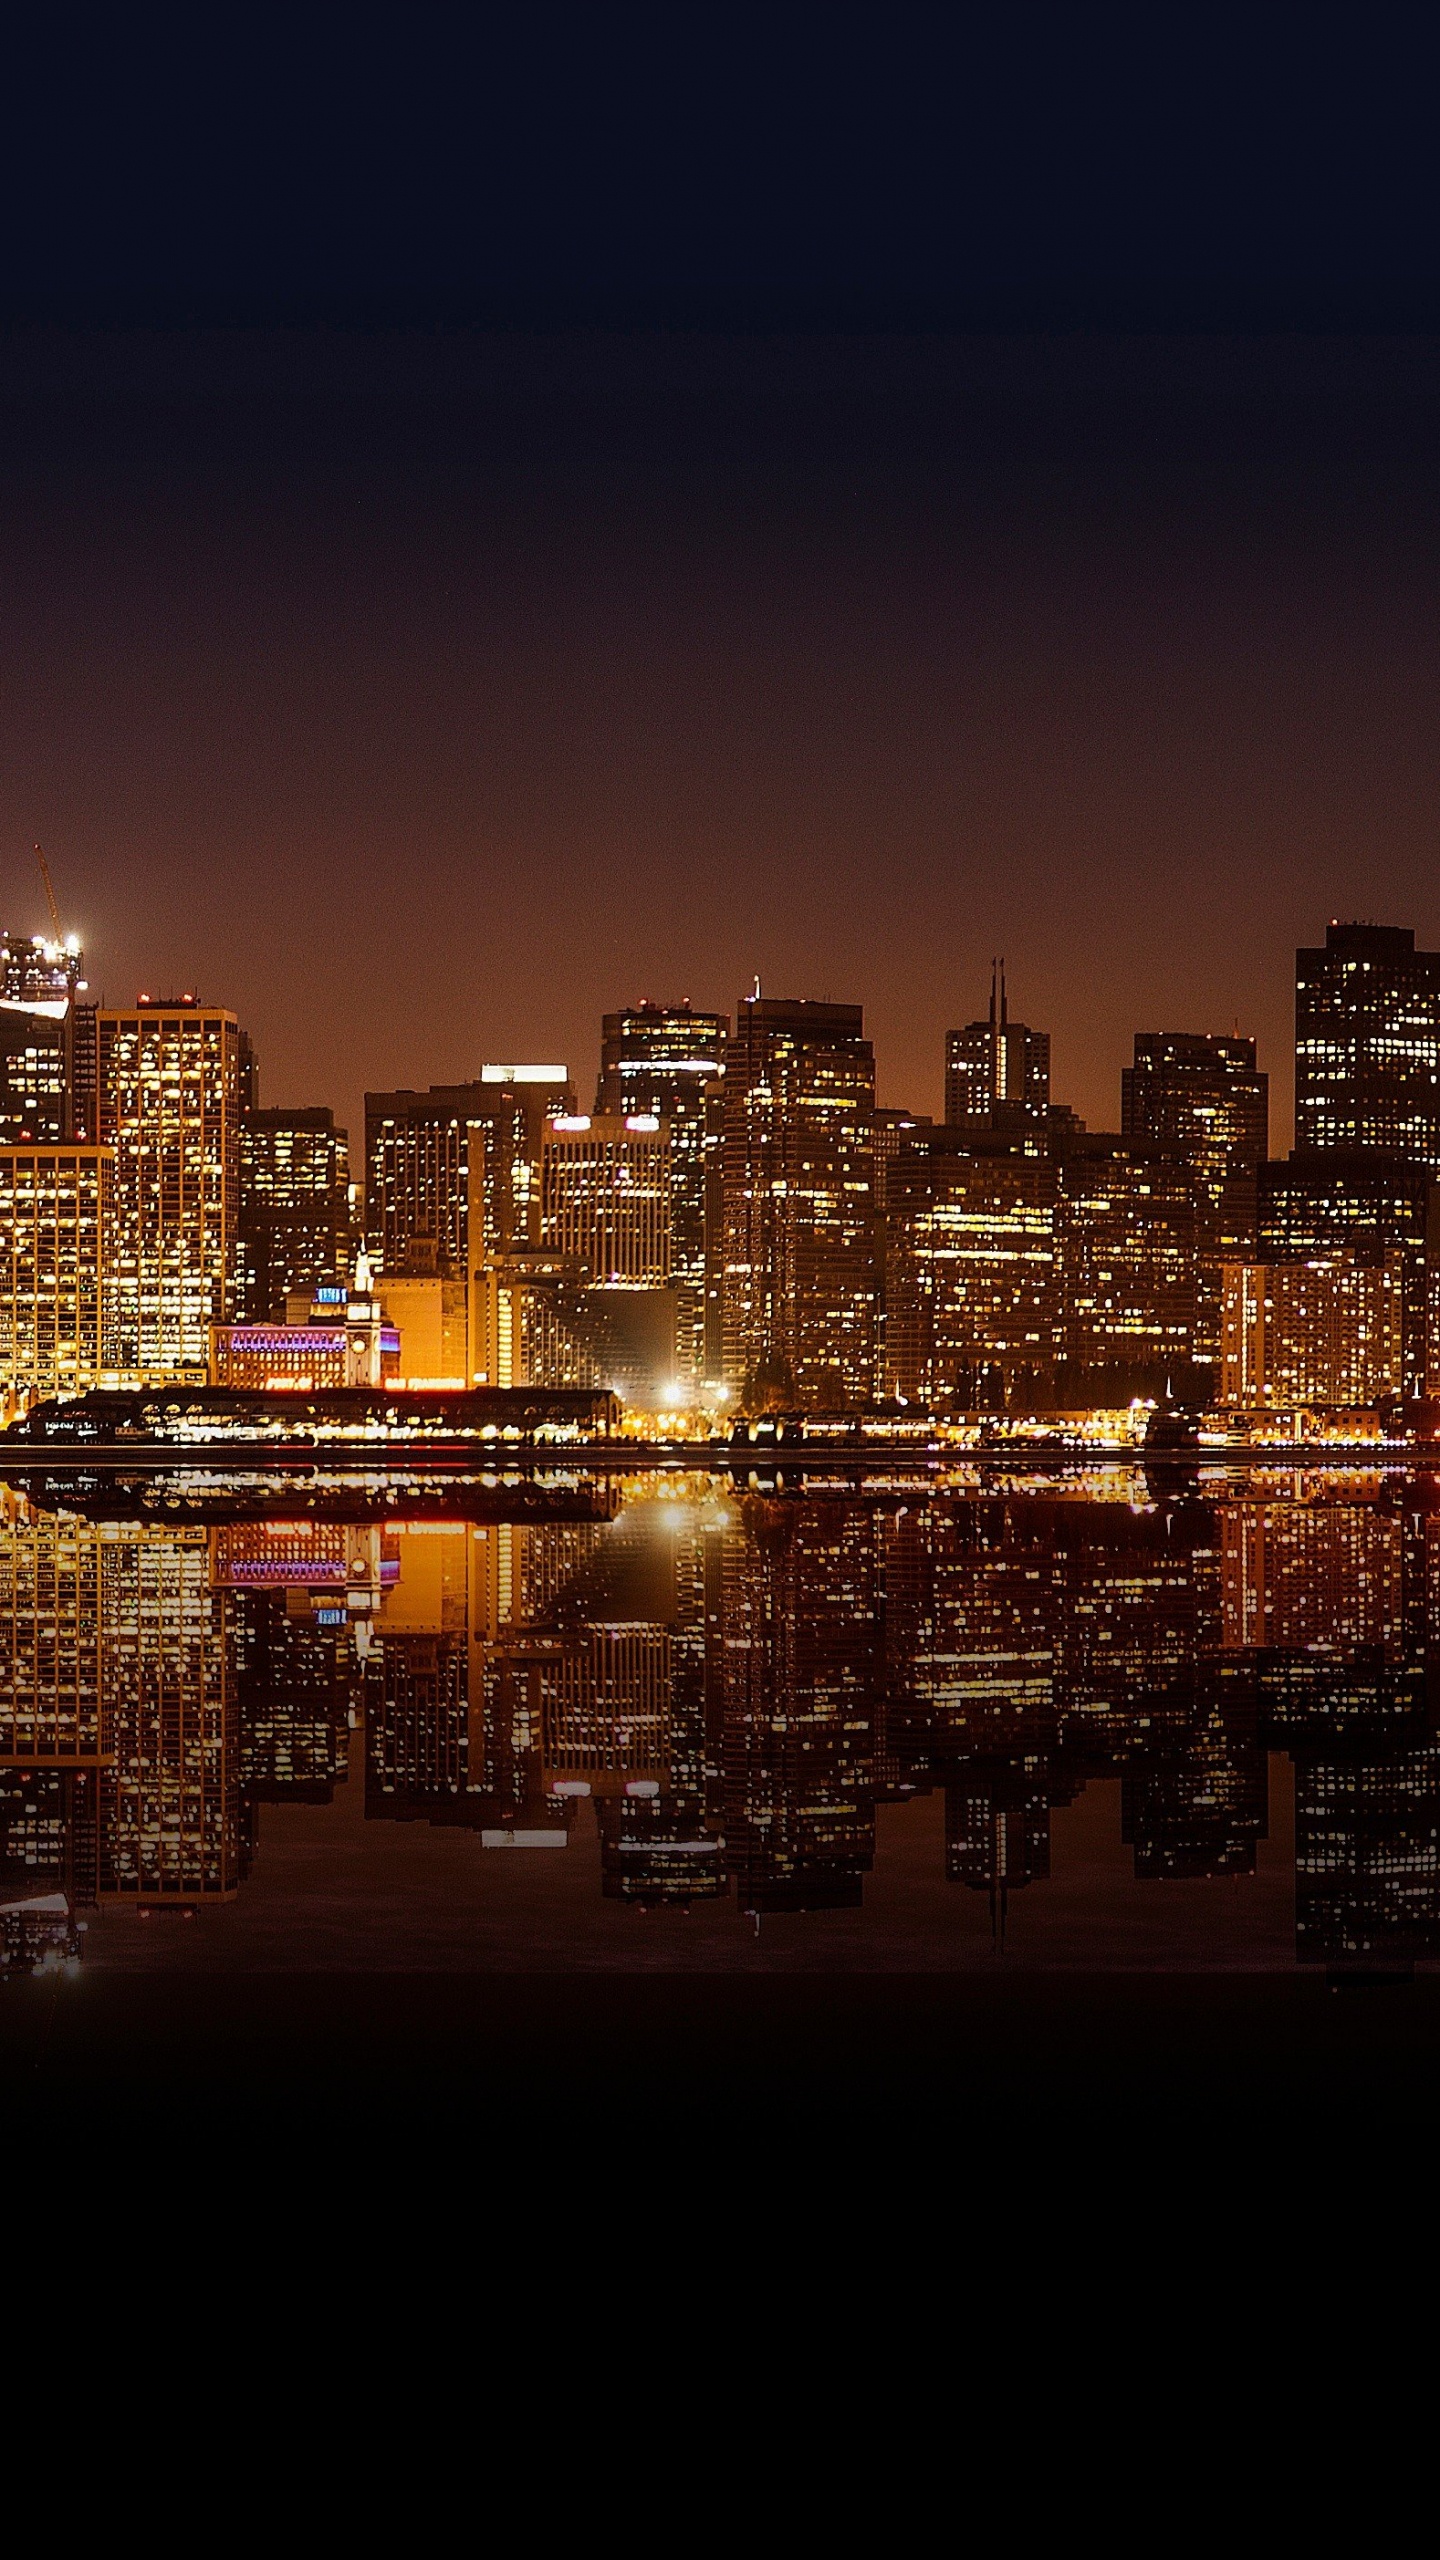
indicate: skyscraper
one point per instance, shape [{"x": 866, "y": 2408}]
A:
[
  {"x": 1202, "y": 1099},
  {"x": 1369, "y": 1201},
  {"x": 801, "y": 1270},
  {"x": 39, "y": 983},
  {"x": 56, "y": 1216},
  {"x": 438, "y": 1162},
  {"x": 295, "y": 1234},
  {"x": 1367, "y": 1045},
  {"x": 169, "y": 1076},
  {"x": 970, "y": 1265},
  {"x": 1127, "y": 1263},
  {"x": 996, "y": 1065},
  {"x": 605, "y": 1198},
  {"x": 664, "y": 1061}
]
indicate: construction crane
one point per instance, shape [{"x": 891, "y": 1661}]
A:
[{"x": 49, "y": 891}]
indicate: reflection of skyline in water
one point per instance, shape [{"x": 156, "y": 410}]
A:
[{"x": 726, "y": 1690}]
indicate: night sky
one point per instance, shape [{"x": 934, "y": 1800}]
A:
[{"x": 435, "y": 610}]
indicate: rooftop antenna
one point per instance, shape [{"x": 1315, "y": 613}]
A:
[
  {"x": 994, "y": 981},
  {"x": 1004, "y": 1007},
  {"x": 49, "y": 890},
  {"x": 755, "y": 999}
]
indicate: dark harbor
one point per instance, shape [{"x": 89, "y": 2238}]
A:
[{"x": 1122, "y": 1723}]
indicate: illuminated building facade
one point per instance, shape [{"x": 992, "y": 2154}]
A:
[
  {"x": 996, "y": 1066},
  {"x": 1321, "y": 1204},
  {"x": 56, "y": 1214},
  {"x": 664, "y": 1062},
  {"x": 458, "y": 1168},
  {"x": 40, "y": 981},
  {"x": 605, "y": 1199},
  {"x": 1127, "y": 1261},
  {"x": 171, "y": 1078},
  {"x": 801, "y": 1264},
  {"x": 1328, "y": 1331},
  {"x": 427, "y": 1320},
  {"x": 1203, "y": 1100},
  {"x": 970, "y": 1264},
  {"x": 295, "y": 1232},
  {"x": 1367, "y": 1045}
]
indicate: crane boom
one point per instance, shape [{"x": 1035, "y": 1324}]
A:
[{"x": 49, "y": 891}]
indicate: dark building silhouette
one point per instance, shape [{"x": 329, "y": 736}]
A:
[
  {"x": 296, "y": 1234},
  {"x": 996, "y": 1070}
]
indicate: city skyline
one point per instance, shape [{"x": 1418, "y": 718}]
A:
[{"x": 585, "y": 673}]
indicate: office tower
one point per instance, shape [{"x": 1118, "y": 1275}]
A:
[
  {"x": 295, "y": 1233},
  {"x": 1203, "y": 1100},
  {"x": 1367, "y": 1045},
  {"x": 1202, "y": 1097},
  {"x": 605, "y": 1195},
  {"x": 605, "y": 1214},
  {"x": 56, "y": 1219},
  {"x": 1327, "y": 1331},
  {"x": 1321, "y": 1204},
  {"x": 1127, "y": 1267},
  {"x": 801, "y": 1271},
  {"x": 664, "y": 1062},
  {"x": 40, "y": 981},
  {"x": 970, "y": 1256},
  {"x": 996, "y": 1067},
  {"x": 891, "y": 1134},
  {"x": 169, "y": 1078},
  {"x": 455, "y": 1172}
]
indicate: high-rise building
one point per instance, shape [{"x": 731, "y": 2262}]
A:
[
  {"x": 1367, "y": 1045},
  {"x": 970, "y": 1261},
  {"x": 56, "y": 1217},
  {"x": 1202, "y": 1099},
  {"x": 457, "y": 1169},
  {"x": 295, "y": 1233},
  {"x": 996, "y": 1066},
  {"x": 1323, "y": 1203},
  {"x": 605, "y": 1199},
  {"x": 664, "y": 1062},
  {"x": 170, "y": 1077},
  {"x": 1327, "y": 1331},
  {"x": 1127, "y": 1260},
  {"x": 801, "y": 1271},
  {"x": 40, "y": 981},
  {"x": 1203, "y": 1096}
]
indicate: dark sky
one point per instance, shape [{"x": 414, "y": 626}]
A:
[{"x": 484, "y": 539}]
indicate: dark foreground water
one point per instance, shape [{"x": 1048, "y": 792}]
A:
[{"x": 1107, "y": 1726}]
